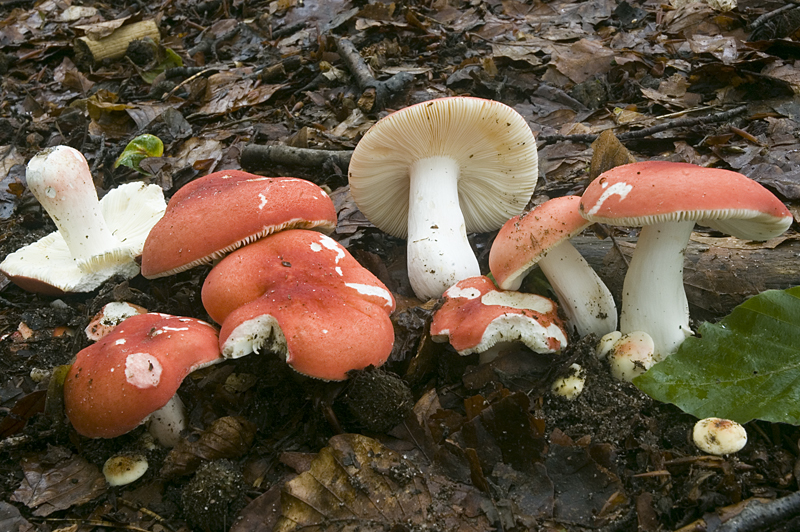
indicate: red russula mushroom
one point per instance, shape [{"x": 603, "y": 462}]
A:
[
  {"x": 302, "y": 294},
  {"x": 477, "y": 317},
  {"x": 667, "y": 199},
  {"x": 434, "y": 172},
  {"x": 541, "y": 236},
  {"x": 216, "y": 214},
  {"x": 115, "y": 384}
]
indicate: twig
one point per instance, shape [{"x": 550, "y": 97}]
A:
[
  {"x": 374, "y": 93},
  {"x": 259, "y": 157},
  {"x": 641, "y": 133},
  {"x": 757, "y": 515},
  {"x": 760, "y": 21}
]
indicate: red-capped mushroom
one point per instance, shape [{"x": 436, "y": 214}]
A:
[
  {"x": 301, "y": 294},
  {"x": 134, "y": 372},
  {"x": 216, "y": 214},
  {"x": 478, "y": 318},
  {"x": 541, "y": 236},
  {"x": 111, "y": 315},
  {"x": 667, "y": 199},
  {"x": 95, "y": 239}
]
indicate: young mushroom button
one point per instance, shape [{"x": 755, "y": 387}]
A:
[
  {"x": 541, "y": 237},
  {"x": 666, "y": 199},
  {"x": 437, "y": 170},
  {"x": 95, "y": 239}
]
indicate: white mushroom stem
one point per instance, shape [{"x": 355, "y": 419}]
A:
[
  {"x": 439, "y": 254},
  {"x": 585, "y": 299},
  {"x": 167, "y": 423},
  {"x": 60, "y": 179},
  {"x": 653, "y": 297}
]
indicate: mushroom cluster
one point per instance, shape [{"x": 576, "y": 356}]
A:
[{"x": 277, "y": 285}]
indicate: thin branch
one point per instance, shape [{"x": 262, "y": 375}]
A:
[
  {"x": 641, "y": 133},
  {"x": 257, "y": 157},
  {"x": 375, "y": 93}
]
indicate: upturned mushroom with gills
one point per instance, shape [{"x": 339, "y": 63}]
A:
[
  {"x": 666, "y": 199},
  {"x": 478, "y": 318},
  {"x": 541, "y": 236},
  {"x": 95, "y": 239},
  {"x": 435, "y": 171}
]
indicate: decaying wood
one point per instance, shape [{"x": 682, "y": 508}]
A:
[
  {"x": 92, "y": 51},
  {"x": 716, "y": 278},
  {"x": 260, "y": 158}
]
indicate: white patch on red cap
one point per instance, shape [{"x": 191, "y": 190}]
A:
[
  {"x": 175, "y": 328},
  {"x": 370, "y": 290},
  {"x": 331, "y": 244},
  {"x": 467, "y": 293},
  {"x": 263, "y": 201},
  {"x": 143, "y": 370},
  {"x": 620, "y": 189},
  {"x": 120, "y": 341},
  {"x": 315, "y": 247}
]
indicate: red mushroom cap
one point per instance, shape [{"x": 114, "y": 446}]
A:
[
  {"x": 300, "y": 259},
  {"x": 652, "y": 192},
  {"x": 476, "y": 315},
  {"x": 323, "y": 333},
  {"x": 526, "y": 238},
  {"x": 116, "y": 383},
  {"x": 223, "y": 211},
  {"x": 303, "y": 292}
]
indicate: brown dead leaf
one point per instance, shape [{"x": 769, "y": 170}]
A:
[
  {"x": 227, "y": 437},
  {"x": 12, "y": 520},
  {"x": 57, "y": 480},
  {"x": 231, "y": 90},
  {"x": 358, "y": 481},
  {"x": 583, "y": 60},
  {"x": 608, "y": 153}
]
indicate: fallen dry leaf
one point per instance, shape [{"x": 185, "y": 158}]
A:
[{"x": 57, "y": 480}]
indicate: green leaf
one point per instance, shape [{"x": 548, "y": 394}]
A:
[
  {"x": 140, "y": 148},
  {"x": 745, "y": 367},
  {"x": 168, "y": 59}
]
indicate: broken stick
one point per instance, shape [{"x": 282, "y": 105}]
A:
[
  {"x": 375, "y": 93},
  {"x": 260, "y": 158}
]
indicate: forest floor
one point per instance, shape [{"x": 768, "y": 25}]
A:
[{"x": 486, "y": 447}]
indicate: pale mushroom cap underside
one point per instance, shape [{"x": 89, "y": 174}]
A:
[
  {"x": 130, "y": 211},
  {"x": 491, "y": 143}
]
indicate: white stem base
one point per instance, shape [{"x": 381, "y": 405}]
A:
[
  {"x": 439, "y": 253},
  {"x": 585, "y": 299},
  {"x": 167, "y": 423},
  {"x": 653, "y": 297}
]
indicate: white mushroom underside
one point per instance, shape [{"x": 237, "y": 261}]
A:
[
  {"x": 253, "y": 335},
  {"x": 130, "y": 212},
  {"x": 518, "y": 328}
]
